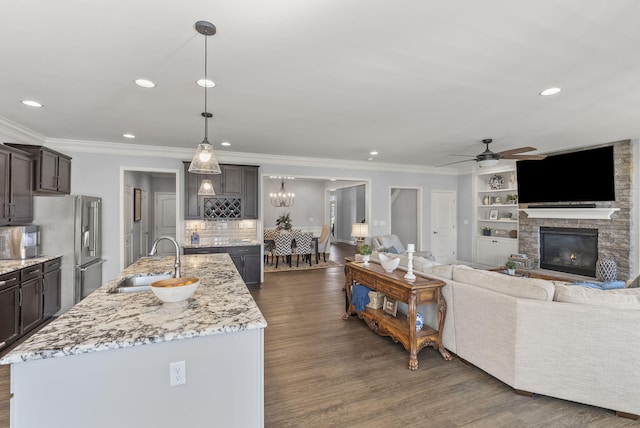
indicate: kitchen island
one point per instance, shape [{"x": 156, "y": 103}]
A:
[{"x": 105, "y": 362}]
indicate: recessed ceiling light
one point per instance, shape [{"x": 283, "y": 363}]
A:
[
  {"x": 225, "y": 143},
  {"x": 370, "y": 159},
  {"x": 31, "y": 103},
  {"x": 373, "y": 153},
  {"x": 206, "y": 83},
  {"x": 550, "y": 91},
  {"x": 145, "y": 83},
  {"x": 128, "y": 136},
  {"x": 332, "y": 179}
]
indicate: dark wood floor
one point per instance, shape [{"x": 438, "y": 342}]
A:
[{"x": 321, "y": 371}]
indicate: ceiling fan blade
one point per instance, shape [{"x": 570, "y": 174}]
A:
[
  {"x": 516, "y": 151},
  {"x": 525, "y": 157},
  {"x": 451, "y": 163},
  {"x": 468, "y": 156}
]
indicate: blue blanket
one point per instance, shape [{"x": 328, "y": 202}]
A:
[
  {"x": 604, "y": 286},
  {"x": 359, "y": 296}
]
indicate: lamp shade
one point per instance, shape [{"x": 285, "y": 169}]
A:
[
  {"x": 487, "y": 162},
  {"x": 206, "y": 188},
  {"x": 205, "y": 160},
  {"x": 360, "y": 230}
]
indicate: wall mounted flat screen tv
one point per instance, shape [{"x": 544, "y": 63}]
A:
[{"x": 584, "y": 176}]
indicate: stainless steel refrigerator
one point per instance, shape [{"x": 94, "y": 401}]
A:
[{"x": 71, "y": 226}]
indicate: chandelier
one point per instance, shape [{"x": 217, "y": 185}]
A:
[
  {"x": 282, "y": 198},
  {"x": 205, "y": 160}
]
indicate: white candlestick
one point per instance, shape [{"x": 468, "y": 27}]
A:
[
  {"x": 411, "y": 247},
  {"x": 409, "y": 276}
]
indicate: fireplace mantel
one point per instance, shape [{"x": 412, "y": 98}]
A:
[{"x": 571, "y": 213}]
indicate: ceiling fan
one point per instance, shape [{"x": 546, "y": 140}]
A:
[{"x": 489, "y": 158}]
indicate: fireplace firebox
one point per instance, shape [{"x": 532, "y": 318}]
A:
[{"x": 571, "y": 250}]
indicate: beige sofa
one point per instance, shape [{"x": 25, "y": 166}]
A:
[{"x": 543, "y": 337}]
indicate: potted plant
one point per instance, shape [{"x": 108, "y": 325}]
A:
[
  {"x": 511, "y": 267},
  {"x": 283, "y": 222},
  {"x": 365, "y": 252},
  {"x": 486, "y": 230},
  {"x": 512, "y": 198}
]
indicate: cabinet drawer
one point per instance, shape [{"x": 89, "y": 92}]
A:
[
  {"x": 31, "y": 272},
  {"x": 51, "y": 265},
  {"x": 244, "y": 250},
  {"x": 363, "y": 278},
  {"x": 392, "y": 292},
  {"x": 204, "y": 250},
  {"x": 9, "y": 279}
]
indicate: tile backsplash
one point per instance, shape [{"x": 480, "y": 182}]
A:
[{"x": 220, "y": 232}]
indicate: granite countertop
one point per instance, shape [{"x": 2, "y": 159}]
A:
[
  {"x": 230, "y": 243},
  {"x": 8, "y": 266},
  {"x": 105, "y": 320}
]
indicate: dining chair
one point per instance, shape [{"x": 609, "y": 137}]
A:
[
  {"x": 269, "y": 244},
  {"x": 283, "y": 247},
  {"x": 303, "y": 247},
  {"x": 324, "y": 242}
]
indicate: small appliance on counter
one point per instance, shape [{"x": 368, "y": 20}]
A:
[{"x": 19, "y": 242}]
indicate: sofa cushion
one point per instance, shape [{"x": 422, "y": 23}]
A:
[
  {"x": 388, "y": 241},
  {"x": 528, "y": 288},
  {"x": 626, "y": 298}
]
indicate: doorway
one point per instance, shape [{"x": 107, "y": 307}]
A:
[
  {"x": 405, "y": 217},
  {"x": 137, "y": 233},
  {"x": 443, "y": 226}
]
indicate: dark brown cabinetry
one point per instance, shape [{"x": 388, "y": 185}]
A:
[
  {"x": 236, "y": 197},
  {"x": 52, "y": 169},
  {"x": 9, "y": 308},
  {"x": 51, "y": 288},
  {"x": 27, "y": 298},
  {"x": 16, "y": 184},
  {"x": 245, "y": 257}
]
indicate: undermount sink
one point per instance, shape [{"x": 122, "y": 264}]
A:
[{"x": 140, "y": 282}]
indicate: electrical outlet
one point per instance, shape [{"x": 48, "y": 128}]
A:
[{"x": 177, "y": 373}]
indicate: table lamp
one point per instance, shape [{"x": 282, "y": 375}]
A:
[{"x": 360, "y": 231}]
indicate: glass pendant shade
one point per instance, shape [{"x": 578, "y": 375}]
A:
[
  {"x": 206, "y": 188},
  {"x": 487, "y": 162},
  {"x": 205, "y": 160}
]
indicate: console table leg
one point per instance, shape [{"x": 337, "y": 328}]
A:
[{"x": 413, "y": 362}]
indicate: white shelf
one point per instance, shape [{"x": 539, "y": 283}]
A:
[
  {"x": 571, "y": 213},
  {"x": 498, "y": 221},
  {"x": 498, "y": 205},
  {"x": 498, "y": 190}
]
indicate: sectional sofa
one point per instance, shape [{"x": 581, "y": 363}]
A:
[{"x": 544, "y": 337}]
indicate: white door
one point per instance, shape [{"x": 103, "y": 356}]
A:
[
  {"x": 128, "y": 225},
  {"x": 443, "y": 226},
  {"x": 144, "y": 223},
  {"x": 165, "y": 221}
]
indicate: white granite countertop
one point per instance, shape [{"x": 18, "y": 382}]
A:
[
  {"x": 231, "y": 243},
  {"x": 104, "y": 320},
  {"x": 8, "y": 266}
]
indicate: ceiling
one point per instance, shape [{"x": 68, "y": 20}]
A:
[{"x": 415, "y": 80}]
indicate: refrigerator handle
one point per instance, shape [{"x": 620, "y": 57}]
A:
[
  {"x": 94, "y": 228},
  {"x": 97, "y": 262}
]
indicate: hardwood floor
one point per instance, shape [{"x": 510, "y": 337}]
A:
[{"x": 321, "y": 371}]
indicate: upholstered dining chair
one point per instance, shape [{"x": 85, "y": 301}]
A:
[
  {"x": 324, "y": 242},
  {"x": 283, "y": 247},
  {"x": 269, "y": 244},
  {"x": 303, "y": 247}
]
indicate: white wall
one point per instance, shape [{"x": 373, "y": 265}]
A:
[{"x": 308, "y": 208}]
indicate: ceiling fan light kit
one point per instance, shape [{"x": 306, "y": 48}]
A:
[{"x": 205, "y": 160}]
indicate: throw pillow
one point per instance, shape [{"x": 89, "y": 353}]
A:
[{"x": 392, "y": 250}]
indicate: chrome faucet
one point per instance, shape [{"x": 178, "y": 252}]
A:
[{"x": 154, "y": 249}]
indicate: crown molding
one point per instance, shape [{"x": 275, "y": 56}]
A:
[
  {"x": 18, "y": 133},
  {"x": 96, "y": 147}
]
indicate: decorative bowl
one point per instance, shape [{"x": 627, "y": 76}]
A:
[
  {"x": 389, "y": 264},
  {"x": 175, "y": 289}
]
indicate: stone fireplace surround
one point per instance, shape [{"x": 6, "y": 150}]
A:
[{"x": 614, "y": 234}]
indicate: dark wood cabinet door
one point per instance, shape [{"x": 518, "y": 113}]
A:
[
  {"x": 192, "y": 209},
  {"x": 64, "y": 175},
  {"x": 231, "y": 180},
  {"x": 30, "y": 304},
  {"x": 9, "y": 315},
  {"x": 5, "y": 186},
  {"x": 21, "y": 188},
  {"x": 48, "y": 173},
  {"x": 250, "y": 199},
  {"x": 251, "y": 273},
  {"x": 51, "y": 293}
]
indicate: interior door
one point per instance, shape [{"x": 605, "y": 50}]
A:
[
  {"x": 128, "y": 225},
  {"x": 144, "y": 223},
  {"x": 165, "y": 221},
  {"x": 443, "y": 223}
]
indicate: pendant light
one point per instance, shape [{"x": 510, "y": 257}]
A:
[
  {"x": 206, "y": 188},
  {"x": 205, "y": 160}
]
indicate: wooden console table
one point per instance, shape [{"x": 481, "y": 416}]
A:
[{"x": 400, "y": 329}]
